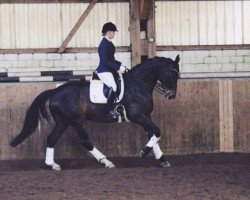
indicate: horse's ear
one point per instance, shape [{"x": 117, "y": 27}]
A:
[{"x": 177, "y": 59}]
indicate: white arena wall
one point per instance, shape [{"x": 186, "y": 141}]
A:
[
  {"x": 203, "y": 61},
  {"x": 211, "y": 61},
  {"x": 29, "y": 65}
]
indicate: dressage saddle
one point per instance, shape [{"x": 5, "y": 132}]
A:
[{"x": 105, "y": 87}]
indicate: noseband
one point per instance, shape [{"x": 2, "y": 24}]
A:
[{"x": 161, "y": 90}]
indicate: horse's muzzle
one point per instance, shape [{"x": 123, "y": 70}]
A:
[{"x": 169, "y": 94}]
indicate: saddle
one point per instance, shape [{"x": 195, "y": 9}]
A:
[{"x": 99, "y": 91}]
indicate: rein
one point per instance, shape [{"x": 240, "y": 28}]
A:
[{"x": 158, "y": 87}]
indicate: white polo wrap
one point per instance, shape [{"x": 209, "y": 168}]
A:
[
  {"x": 49, "y": 160},
  {"x": 97, "y": 154},
  {"x": 157, "y": 151},
  {"x": 153, "y": 140}
]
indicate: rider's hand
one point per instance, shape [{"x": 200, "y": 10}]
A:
[
  {"x": 122, "y": 69},
  {"x": 128, "y": 68}
]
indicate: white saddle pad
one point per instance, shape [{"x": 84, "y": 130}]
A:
[{"x": 96, "y": 91}]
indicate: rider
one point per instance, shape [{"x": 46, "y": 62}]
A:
[{"x": 108, "y": 65}]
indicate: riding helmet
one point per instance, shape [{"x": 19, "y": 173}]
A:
[{"x": 108, "y": 27}]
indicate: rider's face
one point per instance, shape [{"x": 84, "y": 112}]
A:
[{"x": 110, "y": 34}]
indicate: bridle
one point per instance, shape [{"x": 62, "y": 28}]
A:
[
  {"x": 158, "y": 87},
  {"x": 178, "y": 73},
  {"x": 165, "y": 92}
]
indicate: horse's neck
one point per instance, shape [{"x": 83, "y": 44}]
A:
[
  {"x": 149, "y": 75},
  {"x": 143, "y": 77}
]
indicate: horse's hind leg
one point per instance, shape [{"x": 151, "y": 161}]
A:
[
  {"x": 60, "y": 126},
  {"x": 85, "y": 141}
]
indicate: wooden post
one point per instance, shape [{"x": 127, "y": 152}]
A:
[
  {"x": 142, "y": 20},
  {"x": 151, "y": 35},
  {"x": 77, "y": 26},
  {"x": 135, "y": 32}
]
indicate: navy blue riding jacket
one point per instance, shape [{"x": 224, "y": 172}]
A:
[{"x": 107, "y": 62}]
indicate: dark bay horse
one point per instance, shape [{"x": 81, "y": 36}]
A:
[{"x": 70, "y": 105}]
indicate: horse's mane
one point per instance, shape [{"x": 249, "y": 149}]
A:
[{"x": 150, "y": 62}]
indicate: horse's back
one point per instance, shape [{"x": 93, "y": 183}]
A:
[
  {"x": 75, "y": 84},
  {"x": 70, "y": 96}
]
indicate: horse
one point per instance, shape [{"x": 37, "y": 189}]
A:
[{"x": 70, "y": 105}]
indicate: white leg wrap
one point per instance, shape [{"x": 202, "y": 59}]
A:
[
  {"x": 101, "y": 158},
  {"x": 153, "y": 140},
  {"x": 97, "y": 154},
  {"x": 49, "y": 160},
  {"x": 157, "y": 151},
  {"x": 107, "y": 163}
]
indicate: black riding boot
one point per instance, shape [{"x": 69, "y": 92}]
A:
[{"x": 111, "y": 104}]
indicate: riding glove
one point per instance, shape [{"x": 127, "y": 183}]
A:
[{"x": 122, "y": 69}]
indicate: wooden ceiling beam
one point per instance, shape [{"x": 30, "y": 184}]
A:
[
  {"x": 77, "y": 26},
  {"x": 128, "y": 49},
  {"x": 67, "y": 1},
  {"x": 55, "y": 50},
  {"x": 56, "y": 1}
]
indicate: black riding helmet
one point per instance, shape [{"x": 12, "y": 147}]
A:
[{"x": 108, "y": 27}]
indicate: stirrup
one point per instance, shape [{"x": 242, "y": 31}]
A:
[{"x": 112, "y": 115}]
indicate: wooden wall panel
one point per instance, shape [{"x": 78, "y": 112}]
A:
[
  {"x": 13, "y": 104},
  {"x": 189, "y": 124}
]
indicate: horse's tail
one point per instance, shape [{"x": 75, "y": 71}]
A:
[{"x": 36, "y": 111}]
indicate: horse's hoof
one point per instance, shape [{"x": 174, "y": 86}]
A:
[
  {"x": 142, "y": 154},
  {"x": 110, "y": 165},
  {"x": 165, "y": 164},
  {"x": 56, "y": 167}
]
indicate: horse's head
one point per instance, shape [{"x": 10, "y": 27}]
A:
[{"x": 169, "y": 77}]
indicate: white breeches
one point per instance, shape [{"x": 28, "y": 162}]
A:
[{"x": 108, "y": 79}]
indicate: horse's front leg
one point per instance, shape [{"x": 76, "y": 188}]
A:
[
  {"x": 159, "y": 154},
  {"x": 153, "y": 133}
]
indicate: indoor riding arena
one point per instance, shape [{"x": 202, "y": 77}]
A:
[{"x": 205, "y": 130}]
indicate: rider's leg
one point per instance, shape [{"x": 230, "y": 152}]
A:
[
  {"x": 111, "y": 104},
  {"x": 108, "y": 79}
]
